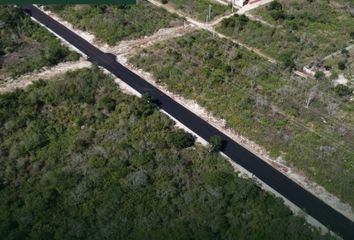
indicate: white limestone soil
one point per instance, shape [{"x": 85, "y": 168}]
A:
[{"x": 44, "y": 74}]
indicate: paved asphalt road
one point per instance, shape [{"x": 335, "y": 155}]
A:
[{"x": 283, "y": 185}]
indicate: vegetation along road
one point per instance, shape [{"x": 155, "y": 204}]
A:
[{"x": 286, "y": 187}]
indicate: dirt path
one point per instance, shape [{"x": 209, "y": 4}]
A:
[
  {"x": 45, "y": 74},
  {"x": 129, "y": 46},
  {"x": 252, "y": 6},
  {"x": 222, "y": 2},
  {"x": 338, "y": 52},
  {"x": 220, "y": 124},
  {"x": 219, "y": 20},
  {"x": 254, "y": 18}
]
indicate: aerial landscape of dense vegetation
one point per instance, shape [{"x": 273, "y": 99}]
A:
[
  {"x": 199, "y": 9},
  {"x": 25, "y": 46},
  {"x": 112, "y": 23},
  {"x": 302, "y": 30},
  {"x": 307, "y": 122},
  {"x": 80, "y": 159}
]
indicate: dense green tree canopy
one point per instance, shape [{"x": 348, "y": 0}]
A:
[{"x": 81, "y": 160}]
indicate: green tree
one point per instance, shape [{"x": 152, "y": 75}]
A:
[
  {"x": 287, "y": 61},
  {"x": 216, "y": 143},
  {"x": 275, "y": 5},
  {"x": 108, "y": 103},
  {"x": 343, "y": 90},
  {"x": 351, "y": 34},
  {"x": 341, "y": 65},
  {"x": 181, "y": 139},
  {"x": 319, "y": 75}
]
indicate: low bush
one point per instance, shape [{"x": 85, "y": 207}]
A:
[
  {"x": 181, "y": 139},
  {"x": 343, "y": 90},
  {"x": 216, "y": 144}
]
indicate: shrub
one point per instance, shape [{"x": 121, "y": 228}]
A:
[
  {"x": 216, "y": 144},
  {"x": 334, "y": 75},
  {"x": 164, "y": 1},
  {"x": 351, "y": 34},
  {"x": 243, "y": 20},
  {"x": 275, "y": 5},
  {"x": 341, "y": 65},
  {"x": 148, "y": 105},
  {"x": 319, "y": 75},
  {"x": 278, "y": 15},
  {"x": 343, "y": 90},
  {"x": 287, "y": 61},
  {"x": 181, "y": 139},
  {"x": 147, "y": 98},
  {"x": 108, "y": 103},
  {"x": 345, "y": 52}
]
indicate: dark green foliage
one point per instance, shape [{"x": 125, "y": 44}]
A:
[
  {"x": 345, "y": 52},
  {"x": 287, "y": 60},
  {"x": 341, "y": 65},
  {"x": 278, "y": 15},
  {"x": 181, "y": 139},
  {"x": 275, "y": 5},
  {"x": 276, "y": 11},
  {"x": 164, "y": 1},
  {"x": 215, "y": 144},
  {"x": 108, "y": 103},
  {"x": 26, "y": 46},
  {"x": 351, "y": 34},
  {"x": 319, "y": 75},
  {"x": 243, "y": 20},
  {"x": 112, "y": 23},
  {"x": 343, "y": 90},
  {"x": 115, "y": 175}
]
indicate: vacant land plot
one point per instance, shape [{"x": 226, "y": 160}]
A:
[
  {"x": 25, "y": 46},
  {"x": 112, "y": 23},
  {"x": 307, "y": 122},
  {"x": 200, "y": 9},
  {"x": 79, "y": 159},
  {"x": 307, "y": 30},
  {"x": 342, "y": 63}
]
